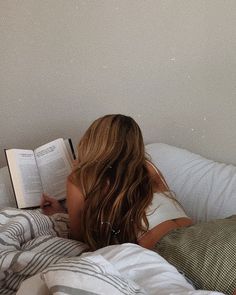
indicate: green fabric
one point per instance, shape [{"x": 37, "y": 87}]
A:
[{"x": 205, "y": 253}]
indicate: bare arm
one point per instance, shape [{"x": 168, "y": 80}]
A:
[{"x": 75, "y": 205}]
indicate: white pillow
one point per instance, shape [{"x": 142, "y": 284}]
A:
[
  {"x": 91, "y": 274},
  {"x": 205, "y": 188}
]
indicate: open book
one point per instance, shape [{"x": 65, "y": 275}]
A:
[{"x": 43, "y": 170}]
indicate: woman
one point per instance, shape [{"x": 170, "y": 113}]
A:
[
  {"x": 115, "y": 195},
  {"x": 114, "y": 191}
]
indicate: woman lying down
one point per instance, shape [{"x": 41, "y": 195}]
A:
[{"x": 116, "y": 195}]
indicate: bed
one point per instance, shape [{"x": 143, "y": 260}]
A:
[{"x": 37, "y": 258}]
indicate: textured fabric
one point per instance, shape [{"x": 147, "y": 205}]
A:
[
  {"x": 149, "y": 270},
  {"x": 205, "y": 253},
  {"x": 91, "y": 275},
  {"x": 33, "y": 252},
  {"x": 117, "y": 269},
  {"x": 163, "y": 208},
  {"x": 29, "y": 243}
]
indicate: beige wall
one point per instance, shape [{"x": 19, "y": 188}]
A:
[{"x": 170, "y": 64}]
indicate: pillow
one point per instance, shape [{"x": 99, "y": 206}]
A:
[
  {"x": 205, "y": 253},
  {"x": 88, "y": 275},
  {"x": 206, "y": 189}
]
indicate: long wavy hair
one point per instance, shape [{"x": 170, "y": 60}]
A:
[{"x": 114, "y": 180}]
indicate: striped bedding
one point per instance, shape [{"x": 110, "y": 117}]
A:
[
  {"x": 88, "y": 275},
  {"x": 37, "y": 257},
  {"x": 33, "y": 243},
  {"x": 29, "y": 243}
]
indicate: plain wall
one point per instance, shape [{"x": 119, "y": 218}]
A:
[{"x": 170, "y": 64}]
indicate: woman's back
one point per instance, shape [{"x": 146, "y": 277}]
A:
[
  {"x": 164, "y": 212},
  {"x": 112, "y": 186}
]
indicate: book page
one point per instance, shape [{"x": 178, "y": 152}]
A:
[
  {"x": 54, "y": 164},
  {"x": 7, "y": 198},
  {"x": 25, "y": 177}
]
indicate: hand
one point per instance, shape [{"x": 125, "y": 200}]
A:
[{"x": 50, "y": 205}]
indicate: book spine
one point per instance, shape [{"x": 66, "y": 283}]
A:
[{"x": 72, "y": 148}]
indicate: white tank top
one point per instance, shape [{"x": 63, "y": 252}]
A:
[{"x": 163, "y": 208}]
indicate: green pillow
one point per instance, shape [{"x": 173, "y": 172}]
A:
[{"x": 205, "y": 253}]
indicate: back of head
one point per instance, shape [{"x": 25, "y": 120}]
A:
[{"x": 114, "y": 180}]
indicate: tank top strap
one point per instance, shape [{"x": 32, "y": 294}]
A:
[{"x": 158, "y": 172}]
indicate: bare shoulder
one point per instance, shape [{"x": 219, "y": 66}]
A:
[
  {"x": 159, "y": 182},
  {"x": 73, "y": 189},
  {"x": 151, "y": 168}
]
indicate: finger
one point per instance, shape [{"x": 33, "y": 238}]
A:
[
  {"x": 47, "y": 211},
  {"x": 49, "y": 198},
  {"x": 46, "y": 197},
  {"x": 42, "y": 201},
  {"x": 45, "y": 202}
]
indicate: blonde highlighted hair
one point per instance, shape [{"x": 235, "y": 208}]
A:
[{"x": 114, "y": 180}]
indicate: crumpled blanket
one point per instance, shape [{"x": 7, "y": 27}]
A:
[
  {"x": 35, "y": 248},
  {"x": 29, "y": 243}
]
